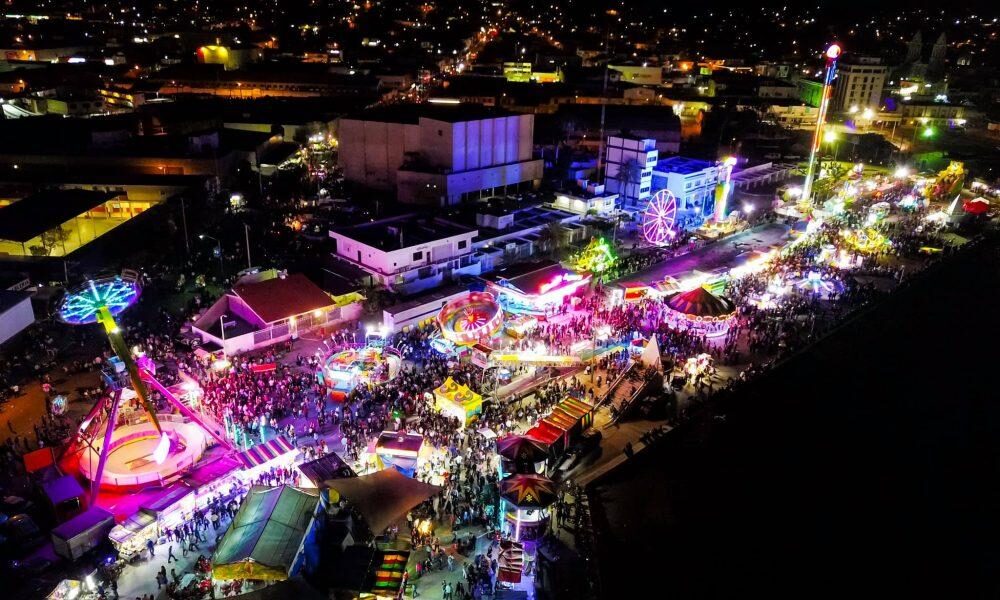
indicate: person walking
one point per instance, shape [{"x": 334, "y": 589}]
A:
[
  {"x": 170, "y": 554},
  {"x": 151, "y": 548}
]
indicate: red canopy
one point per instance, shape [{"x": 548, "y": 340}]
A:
[{"x": 977, "y": 206}]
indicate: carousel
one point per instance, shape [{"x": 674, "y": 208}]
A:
[
  {"x": 701, "y": 311},
  {"x": 526, "y": 500}
]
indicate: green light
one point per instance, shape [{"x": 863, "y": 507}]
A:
[{"x": 928, "y": 132}]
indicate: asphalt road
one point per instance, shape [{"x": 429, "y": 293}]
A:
[
  {"x": 715, "y": 255},
  {"x": 865, "y": 467}
]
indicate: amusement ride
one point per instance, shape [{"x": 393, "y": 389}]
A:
[{"x": 142, "y": 453}]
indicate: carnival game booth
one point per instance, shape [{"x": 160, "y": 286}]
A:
[
  {"x": 525, "y": 500},
  {"x": 456, "y": 400},
  {"x": 533, "y": 288},
  {"x": 270, "y": 535},
  {"x": 401, "y": 451},
  {"x": 701, "y": 311}
]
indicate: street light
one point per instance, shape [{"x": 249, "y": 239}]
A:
[{"x": 218, "y": 250}]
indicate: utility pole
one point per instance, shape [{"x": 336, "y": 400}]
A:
[
  {"x": 184, "y": 222},
  {"x": 246, "y": 231}
]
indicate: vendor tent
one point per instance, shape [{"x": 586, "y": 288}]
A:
[
  {"x": 519, "y": 448},
  {"x": 456, "y": 400},
  {"x": 383, "y": 497},
  {"x": 267, "y": 535}
]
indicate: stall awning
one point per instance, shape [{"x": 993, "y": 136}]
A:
[
  {"x": 266, "y": 452},
  {"x": 545, "y": 434},
  {"x": 560, "y": 419}
]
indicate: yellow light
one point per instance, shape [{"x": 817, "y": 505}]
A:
[{"x": 830, "y": 136}]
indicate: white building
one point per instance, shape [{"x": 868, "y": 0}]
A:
[
  {"x": 858, "y": 85},
  {"x": 692, "y": 181},
  {"x": 408, "y": 254},
  {"x": 256, "y": 315},
  {"x": 16, "y": 313},
  {"x": 584, "y": 202},
  {"x": 437, "y": 153},
  {"x": 629, "y": 169}
]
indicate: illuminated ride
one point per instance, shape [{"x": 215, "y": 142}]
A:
[
  {"x": 133, "y": 454},
  {"x": 659, "y": 217},
  {"x": 832, "y": 54},
  {"x": 701, "y": 311},
  {"x": 814, "y": 283},
  {"x": 472, "y": 318},
  {"x": 345, "y": 367},
  {"x": 597, "y": 257},
  {"x": 724, "y": 190}
]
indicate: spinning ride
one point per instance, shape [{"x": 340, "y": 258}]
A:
[
  {"x": 701, "y": 311},
  {"x": 140, "y": 454},
  {"x": 345, "y": 367},
  {"x": 470, "y": 319},
  {"x": 659, "y": 217}
]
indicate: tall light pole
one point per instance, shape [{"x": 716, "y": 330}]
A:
[{"x": 832, "y": 54}]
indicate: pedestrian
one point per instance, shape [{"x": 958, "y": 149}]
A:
[
  {"x": 175, "y": 577},
  {"x": 170, "y": 554},
  {"x": 150, "y": 547}
]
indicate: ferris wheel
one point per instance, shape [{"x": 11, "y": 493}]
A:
[{"x": 659, "y": 216}]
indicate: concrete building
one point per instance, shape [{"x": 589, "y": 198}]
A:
[
  {"x": 692, "y": 181},
  {"x": 408, "y": 254},
  {"x": 629, "y": 169},
  {"x": 16, "y": 313},
  {"x": 858, "y": 85},
  {"x": 439, "y": 154},
  {"x": 762, "y": 176}
]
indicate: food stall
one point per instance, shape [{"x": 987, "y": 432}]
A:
[
  {"x": 172, "y": 508},
  {"x": 455, "y": 400},
  {"x": 130, "y": 536}
]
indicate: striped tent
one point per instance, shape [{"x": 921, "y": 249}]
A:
[
  {"x": 700, "y": 302},
  {"x": 266, "y": 452}
]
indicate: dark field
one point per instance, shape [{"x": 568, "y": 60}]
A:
[{"x": 869, "y": 466}]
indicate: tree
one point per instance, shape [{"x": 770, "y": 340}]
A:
[{"x": 629, "y": 173}]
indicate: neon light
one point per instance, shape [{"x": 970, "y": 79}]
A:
[
  {"x": 659, "y": 216},
  {"x": 559, "y": 280}
]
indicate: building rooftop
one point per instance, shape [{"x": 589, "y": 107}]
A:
[
  {"x": 10, "y": 299},
  {"x": 682, "y": 165},
  {"x": 402, "y": 232},
  {"x": 283, "y": 297},
  {"x": 412, "y": 113},
  {"x": 38, "y": 213}
]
